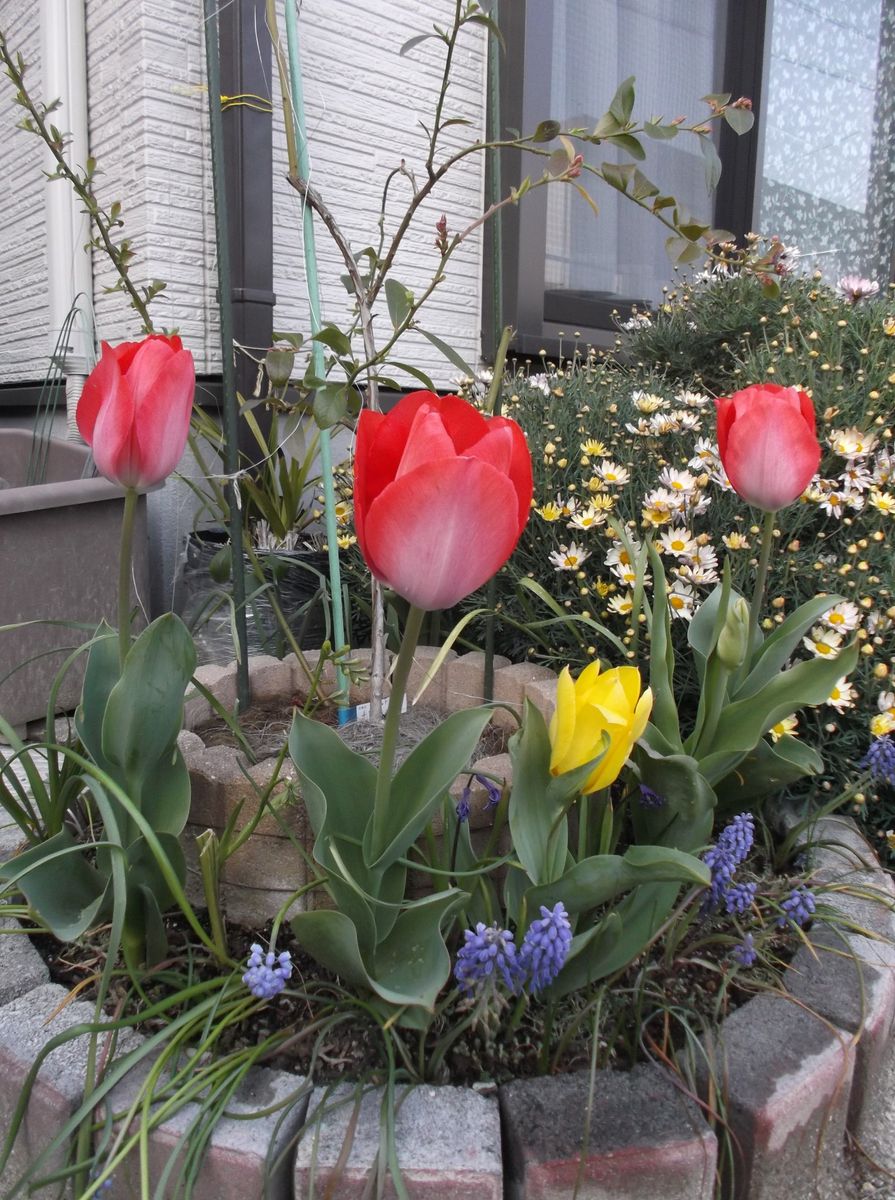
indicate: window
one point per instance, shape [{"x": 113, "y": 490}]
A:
[{"x": 816, "y": 170}]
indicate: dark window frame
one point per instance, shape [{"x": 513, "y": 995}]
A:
[{"x": 523, "y": 234}]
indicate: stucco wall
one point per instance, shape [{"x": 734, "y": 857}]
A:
[{"x": 24, "y": 313}]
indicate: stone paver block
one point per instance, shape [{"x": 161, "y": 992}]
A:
[
  {"x": 21, "y": 967},
  {"x": 644, "y": 1139},
  {"x": 219, "y": 785},
  {"x": 435, "y": 694},
  {"x": 220, "y": 681},
  {"x": 856, "y": 997},
  {"x": 300, "y": 682},
  {"x": 465, "y": 680},
  {"x": 839, "y": 852},
  {"x": 785, "y": 1076},
  {"x": 510, "y": 683},
  {"x": 236, "y": 1164},
  {"x": 448, "y": 1145},
  {"x": 270, "y": 679},
  {"x": 542, "y": 694},
  {"x": 26, "y": 1024},
  {"x": 256, "y": 880},
  {"x": 480, "y": 817},
  {"x": 196, "y": 709}
]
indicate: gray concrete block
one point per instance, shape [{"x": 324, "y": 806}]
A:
[
  {"x": 435, "y": 694},
  {"x": 785, "y": 1083},
  {"x": 448, "y": 1144},
  {"x": 834, "y": 982},
  {"x": 645, "y": 1139},
  {"x": 542, "y": 694},
  {"x": 26, "y": 1025},
  {"x": 21, "y": 967},
  {"x": 220, "y": 681},
  {"x": 242, "y": 1156}
]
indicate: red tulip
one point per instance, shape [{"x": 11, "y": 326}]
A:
[
  {"x": 767, "y": 444},
  {"x": 135, "y": 409},
  {"x": 441, "y": 496}
]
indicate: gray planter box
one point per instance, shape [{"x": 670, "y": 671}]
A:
[{"x": 58, "y": 562}]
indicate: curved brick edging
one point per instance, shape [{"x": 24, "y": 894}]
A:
[{"x": 795, "y": 1071}]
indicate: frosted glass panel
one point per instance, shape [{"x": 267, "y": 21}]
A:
[
  {"x": 673, "y": 50},
  {"x": 826, "y": 183}
]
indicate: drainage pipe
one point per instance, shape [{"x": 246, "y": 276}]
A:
[{"x": 69, "y": 268}]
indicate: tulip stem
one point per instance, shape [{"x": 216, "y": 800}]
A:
[
  {"x": 124, "y": 574},
  {"x": 403, "y": 664},
  {"x": 761, "y": 575}
]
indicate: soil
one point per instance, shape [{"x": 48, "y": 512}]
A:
[
  {"x": 638, "y": 1018},
  {"x": 266, "y": 727}
]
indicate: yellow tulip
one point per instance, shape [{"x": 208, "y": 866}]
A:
[{"x": 589, "y": 706}]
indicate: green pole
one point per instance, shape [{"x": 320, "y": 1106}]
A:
[
  {"x": 313, "y": 280},
  {"x": 230, "y": 412}
]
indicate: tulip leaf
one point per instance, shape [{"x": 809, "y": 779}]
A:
[
  {"x": 776, "y": 651},
  {"x": 596, "y": 880},
  {"x": 586, "y": 952},
  {"x": 768, "y": 768},
  {"x": 102, "y": 673},
  {"x": 640, "y": 916},
  {"x": 412, "y": 965},
  {"x": 685, "y": 820},
  {"x": 538, "y": 825},
  {"x": 144, "y": 710},
  {"x": 664, "y": 715},
  {"x": 331, "y": 939},
  {"x": 338, "y": 784},
  {"x": 742, "y": 723},
  {"x": 59, "y": 884},
  {"x": 168, "y": 788},
  {"x": 421, "y": 781}
]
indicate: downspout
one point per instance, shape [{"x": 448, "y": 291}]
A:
[{"x": 69, "y": 268}]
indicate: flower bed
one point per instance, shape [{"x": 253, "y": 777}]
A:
[{"x": 799, "y": 1073}]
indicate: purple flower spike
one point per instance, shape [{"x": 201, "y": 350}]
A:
[
  {"x": 493, "y": 789},
  {"x": 463, "y": 804},
  {"x": 651, "y": 799},
  {"x": 546, "y": 947},
  {"x": 798, "y": 908},
  {"x": 880, "y": 760},
  {"x": 745, "y": 953},
  {"x": 488, "y": 955},
  {"x": 267, "y": 973},
  {"x": 739, "y": 897}
]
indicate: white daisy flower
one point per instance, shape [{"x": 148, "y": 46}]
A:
[
  {"x": 622, "y": 604},
  {"x": 648, "y": 402},
  {"x": 569, "y": 558},
  {"x": 843, "y": 695},
  {"x": 682, "y": 600},
  {"x": 824, "y": 643},
  {"x": 845, "y": 615},
  {"x": 851, "y": 443},
  {"x": 678, "y": 542},
  {"x": 612, "y": 474},
  {"x": 677, "y": 481}
]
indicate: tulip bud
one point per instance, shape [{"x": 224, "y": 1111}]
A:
[
  {"x": 733, "y": 641},
  {"x": 279, "y": 362}
]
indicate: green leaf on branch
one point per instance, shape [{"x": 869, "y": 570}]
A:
[
  {"x": 399, "y": 300},
  {"x": 330, "y": 404},
  {"x": 332, "y": 336},
  {"x": 628, "y": 143},
  {"x": 681, "y": 251},
  {"x": 449, "y": 353},
  {"x": 546, "y": 131},
  {"x": 740, "y": 120},
  {"x": 623, "y": 101},
  {"x": 655, "y": 129},
  {"x": 711, "y": 160}
]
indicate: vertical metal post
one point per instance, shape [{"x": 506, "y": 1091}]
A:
[{"x": 229, "y": 405}]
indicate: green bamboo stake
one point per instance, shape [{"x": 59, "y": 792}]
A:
[
  {"x": 230, "y": 453},
  {"x": 310, "y": 255}
]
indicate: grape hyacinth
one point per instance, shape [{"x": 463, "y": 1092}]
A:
[
  {"x": 739, "y": 897},
  {"x": 545, "y": 947},
  {"x": 880, "y": 760},
  {"x": 493, "y": 789},
  {"x": 649, "y": 798},
  {"x": 267, "y": 973},
  {"x": 745, "y": 953},
  {"x": 733, "y": 845},
  {"x": 463, "y": 804},
  {"x": 798, "y": 908},
  {"x": 488, "y": 953}
]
